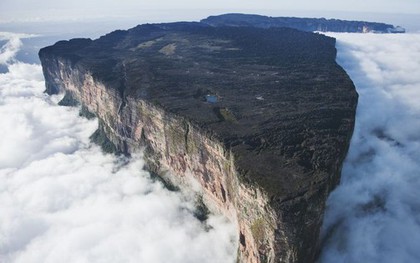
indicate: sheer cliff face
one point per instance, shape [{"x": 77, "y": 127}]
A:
[{"x": 266, "y": 148}]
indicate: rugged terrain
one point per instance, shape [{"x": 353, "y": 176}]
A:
[
  {"x": 304, "y": 24},
  {"x": 260, "y": 118}
]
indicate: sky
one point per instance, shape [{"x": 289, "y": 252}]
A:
[
  {"x": 39, "y": 10},
  {"x": 93, "y": 18}
]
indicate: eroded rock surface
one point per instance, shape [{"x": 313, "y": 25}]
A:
[{"x": 261, "y": 118}]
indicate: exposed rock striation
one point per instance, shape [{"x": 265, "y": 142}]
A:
[
  {"x": 261, "y": 118},
  {"x": 304, "y": 24}
]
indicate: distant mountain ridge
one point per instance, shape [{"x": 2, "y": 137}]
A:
[{"x": 304, "y": 24}]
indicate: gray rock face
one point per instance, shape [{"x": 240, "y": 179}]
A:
[{"x": 260, "y": 118}]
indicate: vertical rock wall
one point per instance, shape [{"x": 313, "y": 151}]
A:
[
  {"x": 277, "y": 226},
  {"x": 179, "y": 152}
]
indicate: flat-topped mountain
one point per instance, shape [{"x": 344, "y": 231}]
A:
[
  {"x": 304, "y": 24},
  {"x": 261, "y": 118}
]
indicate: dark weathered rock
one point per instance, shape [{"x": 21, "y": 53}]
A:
[
  {"x": 268, "y": 145},
  {"x": 304, "y": 24}
]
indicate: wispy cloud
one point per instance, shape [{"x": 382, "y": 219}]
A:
[{"x": 374, "y": 215}]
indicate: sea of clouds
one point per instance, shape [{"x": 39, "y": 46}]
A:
[
  {"x": 374, "y": 215},
  {"x": 63, "y": 200}
]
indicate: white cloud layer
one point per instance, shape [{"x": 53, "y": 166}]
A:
[
  {"x": 62, "y": 200},
  {"x": 374, "y": 215}
]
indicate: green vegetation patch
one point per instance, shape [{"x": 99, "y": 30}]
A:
[
  {"x": 258, "y": 230},
  {"x": 224, "y": 114},
  {"x": 99, "y": 137},
  {"x": 201, "y": 211},
  {"x": 84, "y": 112},
  {"x": 68, "y": 100}
]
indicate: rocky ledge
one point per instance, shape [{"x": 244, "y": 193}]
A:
[{"x": 260, "y": 118}]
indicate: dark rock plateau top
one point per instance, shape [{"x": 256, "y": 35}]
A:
[
  {"x": 284, "y": 106},
  {"x": 273, "y": 96}
]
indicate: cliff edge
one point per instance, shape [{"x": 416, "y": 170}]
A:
[{"x": 261, "y": 118}]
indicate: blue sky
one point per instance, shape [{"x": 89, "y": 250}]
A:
[{"x": 41, "y": 10}]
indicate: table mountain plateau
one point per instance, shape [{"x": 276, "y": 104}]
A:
[{"x": 261, "y": 118}]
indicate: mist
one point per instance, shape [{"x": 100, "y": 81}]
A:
[
  {"x": 63, "y": 200},
  {"x": 374, "y": 215}
]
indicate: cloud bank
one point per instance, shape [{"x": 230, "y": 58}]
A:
[
  {"x": 63, "y": 200},
  {"x": 13, "y": 44},
  {"x": 374, "y": 215}
]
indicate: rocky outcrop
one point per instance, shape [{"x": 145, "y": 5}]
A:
[
  {"x": 260, "y": 119},
  {"x": 304, "y": 24}
]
